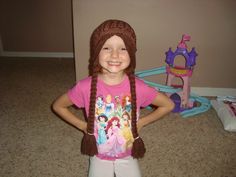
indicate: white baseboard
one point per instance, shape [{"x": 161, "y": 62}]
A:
[
  {"x": 206, "y": 91},
  {"x": 37, "y": 54},
  {"x": 201, "y": 91}
]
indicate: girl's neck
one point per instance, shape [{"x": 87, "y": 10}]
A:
[{"x": 112, "y": 79}]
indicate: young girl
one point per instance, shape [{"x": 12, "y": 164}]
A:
[{"x": 112, "y": 66}]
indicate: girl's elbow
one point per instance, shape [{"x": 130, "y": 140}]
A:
[{"x": 55, "y": 107}]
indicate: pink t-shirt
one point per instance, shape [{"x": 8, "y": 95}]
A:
[{"x": 113, "y": 113}]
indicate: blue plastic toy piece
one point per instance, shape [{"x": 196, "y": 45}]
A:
[{"x": 205, "y": 104}]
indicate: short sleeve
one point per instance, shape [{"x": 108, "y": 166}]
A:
[
  {"x": 76, "y": 96},
  {"x": 79, "y": 94},
  {"x": 145, "y": 93}
]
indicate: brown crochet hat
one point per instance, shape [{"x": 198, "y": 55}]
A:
[{"x": 106, "y": 30}]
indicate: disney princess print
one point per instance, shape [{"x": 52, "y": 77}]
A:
[{"x": 113, "y": 125}]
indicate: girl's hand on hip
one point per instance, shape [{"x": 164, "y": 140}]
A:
[
  {"x": 83, "y": 127},
  {"x": 140, "y": 125}
]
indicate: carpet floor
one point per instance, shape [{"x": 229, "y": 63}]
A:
[{"x": 34, "y": 142}]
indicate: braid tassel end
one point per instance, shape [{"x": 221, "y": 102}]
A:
[
  {"x": 89, "y": 146},
  {"x": 138, "y": 149}
]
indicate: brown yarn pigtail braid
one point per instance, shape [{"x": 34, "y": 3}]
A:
[
  {"x": 138, "y": 149},
  {"x": 89, "y": 146}
]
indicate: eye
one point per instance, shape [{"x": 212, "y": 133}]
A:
[
  {"x": 123, "y": 49},
  {"x": 105, "y": 48}
]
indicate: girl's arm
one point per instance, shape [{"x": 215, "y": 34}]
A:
[
  {"x": 61, "y": 105},
  {"x": 164, "y": 106}
]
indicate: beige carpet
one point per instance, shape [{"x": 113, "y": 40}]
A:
[{"x": 36, "y": 143}]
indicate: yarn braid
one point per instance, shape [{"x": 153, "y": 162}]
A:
[
  {"x": 138, "y": 149},
  {"x": 89, "y": 146}
]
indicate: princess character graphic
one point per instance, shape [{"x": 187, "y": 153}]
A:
[
  {"x": 126, "y": 131},
  {"x": 127, "y": 103},
  {"x": 115, "y": 143},
  {"x": 102, "y": 123},
  {"x": 99, "y": 105},
  {"x": 109, "y": 106}
]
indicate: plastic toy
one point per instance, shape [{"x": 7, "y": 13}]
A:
[
  {"x": 185, "y": 101},
  {"x": 181, "y": 98}
]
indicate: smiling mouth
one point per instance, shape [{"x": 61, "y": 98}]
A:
[{"x": 112, "y": 63}]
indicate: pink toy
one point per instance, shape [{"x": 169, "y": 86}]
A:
[
  {"x": 182, "y": 43},
  {"x": 181, "y": 99}
]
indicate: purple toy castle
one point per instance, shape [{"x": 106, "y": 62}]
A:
[{"x": 181, "y": 99}]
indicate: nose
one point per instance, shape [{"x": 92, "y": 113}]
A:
[{"x": 114, "y": 54}]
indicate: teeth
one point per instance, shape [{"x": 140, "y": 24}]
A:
[{"x": 114, "y": 63}]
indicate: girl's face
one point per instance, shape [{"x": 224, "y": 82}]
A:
[{"x": 114, "y": 57}]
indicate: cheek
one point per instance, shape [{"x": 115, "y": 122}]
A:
[
  {"x": 100, "y": 57},
  {"x": 125, "y": 58},
  {"x": 128, "y": 61}
]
